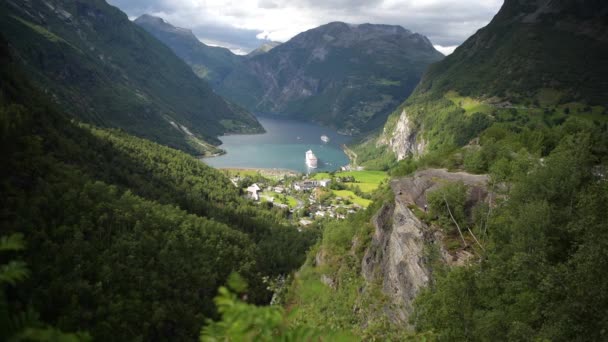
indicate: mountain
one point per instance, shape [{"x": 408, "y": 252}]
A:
[
  {"x": 347, "y": 76},
  {"x": 208, "y": 62},
  {"x": 530, "y": 46},
  {"x": 125, "y": 238},
  {"x": 263, "y": 49},
  {"x": 105, "y": 70},
  {"x": 535, "y": 62}
]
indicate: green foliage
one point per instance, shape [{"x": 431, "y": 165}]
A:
[
  {"x": 129, "y": 239},
  {"x": 448, "y": 201},
  {"x": 24, "y": 325},
  {"x": 245, "y": 322},
  {"x": 538, "y": 279},
  {"x": 329, "y": 291}
]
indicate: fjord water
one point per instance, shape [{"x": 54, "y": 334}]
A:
[{"x": 283, "y": 146}]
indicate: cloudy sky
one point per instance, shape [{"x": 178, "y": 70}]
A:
[{"x": 242, "y": 25}]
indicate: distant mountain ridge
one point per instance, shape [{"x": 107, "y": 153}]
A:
[
  {"x": 105, "y": 70},
  {"x": 346, "y": 76},
  {"x": 211, "y": 63},
  {"x": 342, "y": 75}
]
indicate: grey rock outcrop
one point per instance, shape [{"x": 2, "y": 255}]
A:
[
  {"x": 405, "y": 139},
  {"x": 397, "y": 254}
]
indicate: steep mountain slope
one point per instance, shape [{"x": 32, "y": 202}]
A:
[
  {"x": 106, "y": 70},
  {"x": 208, "y": 62},
  {"x": 126, "y": 239},
  {"x": 529, "y": 46},
  {"x": 263, "y": 49},
  {"x": 541, "y": 60},
  {"x": 347, "y": 76}
]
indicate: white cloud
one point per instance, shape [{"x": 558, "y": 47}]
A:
[
  {"x": 445, "y": 22},
  {"x": 446, "y": 50}
]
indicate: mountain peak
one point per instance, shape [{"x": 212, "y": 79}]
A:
[
  {"x": 160, "y": 24},
  {"x": 263, "y": 49},
  {"x": 366, "y": 27},
  {"x": 340, "y": 34},
  {"x": 148, "y": 18}
]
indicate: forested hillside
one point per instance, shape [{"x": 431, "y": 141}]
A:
[
  {"x": 103, "y": 69},
  {"x": 126, "y": 239}
]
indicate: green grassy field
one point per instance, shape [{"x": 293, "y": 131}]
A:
[
  {"x": 371, "y": 177},
  {"x": 347, "y": 194},
  {"x": 290, "y": 201},
  {"x": 367, "y": 181},
  {"x": 469, "y": 104},
  {"x": 365, "y": 187}
]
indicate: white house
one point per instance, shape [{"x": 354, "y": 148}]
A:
[
  {"x": 253, "y": 192},
  {"x": 324, "y": 182}
]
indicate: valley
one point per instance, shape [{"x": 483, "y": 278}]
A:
[
  {"x": 450, "y": 198},
  {"x": 344, "y": 76}
]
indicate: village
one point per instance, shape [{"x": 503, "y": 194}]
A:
[{"x": 309, "y": 198}]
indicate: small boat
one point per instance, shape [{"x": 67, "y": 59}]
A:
[
  {"x": 325, "y": 138},
  {"x": 311, "y": 159}
]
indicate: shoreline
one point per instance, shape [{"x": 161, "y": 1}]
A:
[
  {"x": 352, "y": 156},
  {"x": 263, "y": 171}
]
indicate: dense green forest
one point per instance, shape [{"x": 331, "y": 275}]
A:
[
  {"x": 542, "y": 274},
  {"x": 126, "y": 239}
]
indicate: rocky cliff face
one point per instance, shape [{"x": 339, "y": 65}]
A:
[
  {"x": 404, "y": 139},
  {"x": 397, "y": 255}
]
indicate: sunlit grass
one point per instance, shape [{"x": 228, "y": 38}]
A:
[{"x": 347, "y": 194}]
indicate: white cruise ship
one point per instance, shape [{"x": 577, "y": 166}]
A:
[{"x": 311, "y": 159}]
